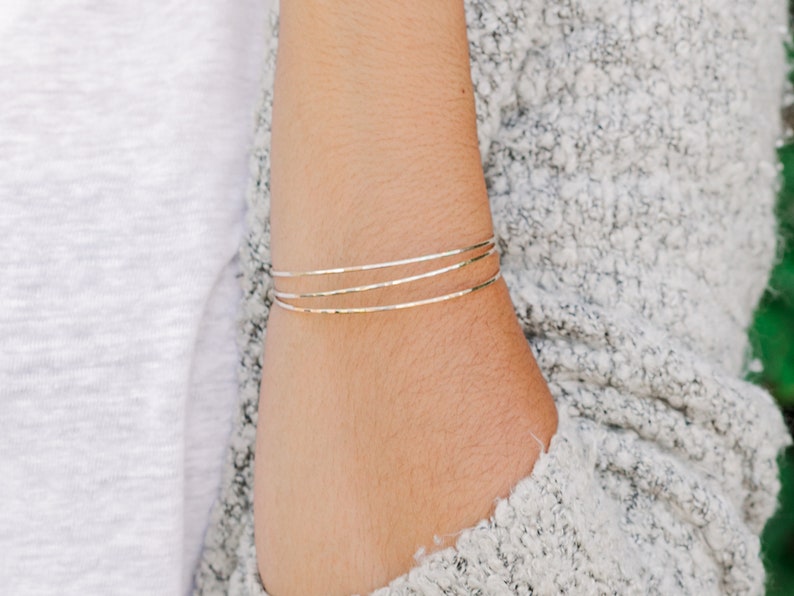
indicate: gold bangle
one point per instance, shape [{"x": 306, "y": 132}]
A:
[
  {"x": 363, "y": 309},
  {"x": 386, "y": 284},
  {"x": 439, "y": 255}
]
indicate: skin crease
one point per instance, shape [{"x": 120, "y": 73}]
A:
[{"x": 378, "y": 431}]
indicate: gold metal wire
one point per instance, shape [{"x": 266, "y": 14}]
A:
[
  {"x": 276, "y": 273},
  {"x": 402, "y": 305},
  {"x": 386, "y": 284}
]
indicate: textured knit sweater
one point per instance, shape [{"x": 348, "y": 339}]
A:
[{"x": 629, "y": 154}]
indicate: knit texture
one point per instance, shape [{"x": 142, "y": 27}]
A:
[{"x": 629, "y": 154}]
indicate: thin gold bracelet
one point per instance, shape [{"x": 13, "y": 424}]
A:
[
  {"x": 402, "y": 305},
  {"x": 386, "y": 284},
  {"x": 276, "y": 273}
]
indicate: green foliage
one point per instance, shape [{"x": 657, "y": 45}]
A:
[
  {"x": 772, "y": 334},
  {"x": 778, "y": 537},
  {"x": 772, "y": 338}
]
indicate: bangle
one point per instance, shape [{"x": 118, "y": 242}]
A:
[
  {"x": 381, "y": 265},
  {"x": 389, "y": 306},
  {"x": 385, "y": 284},
  {"x": 278, "y": 295}
]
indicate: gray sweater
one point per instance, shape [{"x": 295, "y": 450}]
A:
[{"x": 629, "y": 152}]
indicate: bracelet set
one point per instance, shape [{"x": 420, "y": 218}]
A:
[{"x": 280, "y": 296}]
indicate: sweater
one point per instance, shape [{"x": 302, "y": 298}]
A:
[{"x": 629, "y": 155}]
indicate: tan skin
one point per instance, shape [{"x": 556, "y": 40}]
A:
[{"x": 378, "y": 431}]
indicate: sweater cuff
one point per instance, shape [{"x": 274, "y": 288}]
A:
[{"x": 554, "y": 532}]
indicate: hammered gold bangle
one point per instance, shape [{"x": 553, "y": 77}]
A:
[
  {"x": 278, "y": 295},
  {"x": 386, "y": 284},
  {"x": 381, "y": 265},
  {"x": 389, "y": 306}
]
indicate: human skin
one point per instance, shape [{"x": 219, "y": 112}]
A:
[{"x": 377, "y": 431}]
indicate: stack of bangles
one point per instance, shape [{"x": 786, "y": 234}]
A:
[{"x": 487, "y": 244}]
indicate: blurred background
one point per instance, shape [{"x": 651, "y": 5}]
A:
[{"x": 772, "y": 338}]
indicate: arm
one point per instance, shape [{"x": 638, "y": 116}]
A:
[{"x": 378, "y": 431}]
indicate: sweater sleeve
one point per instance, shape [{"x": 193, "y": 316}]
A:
[
  {"x": 632, "y": 184},
  {"x": 628, "y": 149}
]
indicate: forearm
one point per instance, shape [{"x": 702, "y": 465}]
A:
[
  {"x": 373, "y": 114},
  {"x": 379, "y": 430}
]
